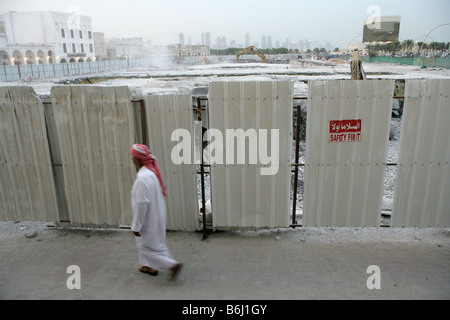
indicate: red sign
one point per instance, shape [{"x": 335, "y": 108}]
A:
[{"x": 345, "y": 130}]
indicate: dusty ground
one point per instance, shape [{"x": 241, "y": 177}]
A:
[{"x": 278, "y": 264}]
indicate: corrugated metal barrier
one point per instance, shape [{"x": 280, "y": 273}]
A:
[
  {"x": 346, "y": 145},
  {"x": 422, "y": 187},
  {"x": 27, "y": 190},
  {"x": 243, "y": 195},
  {"x": 165, "y": 115},
  {"x": 67, "y": 160},
  {"x": 95, "y": 128}
]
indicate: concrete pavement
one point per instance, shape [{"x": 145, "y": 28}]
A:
[{"x": 279, "y": 264}]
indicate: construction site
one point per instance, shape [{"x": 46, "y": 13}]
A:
[
  {"x": 192, "y": 77},
  {"x": 344, "y": 196}
]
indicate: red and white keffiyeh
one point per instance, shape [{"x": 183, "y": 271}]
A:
[{"x": 143, "y": 153}]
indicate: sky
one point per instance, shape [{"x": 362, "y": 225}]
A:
[{"x": 328, "y": 22}]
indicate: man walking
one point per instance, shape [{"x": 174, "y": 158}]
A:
[{"x": 149, "y": 215}]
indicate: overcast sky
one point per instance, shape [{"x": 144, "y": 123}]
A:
[{"x": 326, "y": 21}]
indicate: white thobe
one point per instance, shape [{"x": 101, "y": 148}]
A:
[{"x": 149, "y": 218}]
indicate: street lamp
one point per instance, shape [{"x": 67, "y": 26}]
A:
[
  {"x": 444, "y": 24},
  {"x": 329, "y": 45},
  {"x": 348, "y": 45},
  {"x": 391, "y": 32},
  {"x": 334, "y": 44},
  {"x": 310, "y": 44}
]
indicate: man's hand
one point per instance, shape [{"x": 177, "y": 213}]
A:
[{"x": 137, "y": 234}]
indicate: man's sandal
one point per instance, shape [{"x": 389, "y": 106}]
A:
[
  {"x": 175, "y": 271},
  {"x": 149, "y": 271}
]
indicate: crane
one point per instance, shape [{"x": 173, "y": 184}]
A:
[{"x": 252, "y": 48}]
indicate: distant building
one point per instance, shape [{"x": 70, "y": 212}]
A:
[
  {"x": 186, "y": 50},
  {"x": 306, "y": 45},
  {"x": 42, "y": 37},
  {"x": 206, "y": 39},
  {"x": 181, "y": 38},
  {"x": 221, "y": 43},
  {"x": 125, "y": 48},
  {"x": 101, "y": 50},
  {"x": 263, "y": 42},
  {"x": 381, "y": 29},
  {"x": 4, "y": 55}
]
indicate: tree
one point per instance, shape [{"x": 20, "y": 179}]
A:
[
  {"x": 408, "y": 45},
  {"x": 434, "y": 46},
  {"x": 422, "y": 46},
  {"x": 373, "y": 52},
  {"x": 393, "y": 47}
]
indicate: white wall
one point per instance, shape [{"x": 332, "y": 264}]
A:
[{"x": 29, "y": 27}]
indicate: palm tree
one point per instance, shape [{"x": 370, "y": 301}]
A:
[
  {"x": 419, "y": 44},
  {"x": 393, "y": 47},
  {"x": 422, "y": 48},
  {"x": 408, "y": 45},
  {"x": 434, "y": 46}
]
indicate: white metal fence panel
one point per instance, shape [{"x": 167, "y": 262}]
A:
[
  {"x": 10, "y": 73},
  {"x": 95, "y": 128},
  {"x": 346, "y": 141},
  {"x": 27, "y": 189},
  {"x": 422, "y": 186},
  {"x": 248, "y": 193},
  {"x": 166, "y": 115}
]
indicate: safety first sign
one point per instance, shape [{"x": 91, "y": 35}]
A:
[{"x": 345, "y": 130}]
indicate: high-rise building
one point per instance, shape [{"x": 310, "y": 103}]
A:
[
  {"x": 307, "y": 45},
  {"x": 206, "y": 39},
  {"x": 301, "y": 45},
  {"x": 221, "y": 42},
  {"x": 181, "y": 38},
  {"x": 381, "y": 29}
]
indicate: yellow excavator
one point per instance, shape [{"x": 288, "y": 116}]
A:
[
  {"x": 251, "y": 48},
  {"x": 206, "y": 60}
]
